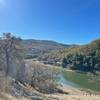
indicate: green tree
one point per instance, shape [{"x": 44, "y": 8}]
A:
[
  {"x": 64, "y": 62},
  {"x": 97, "y": 66}
]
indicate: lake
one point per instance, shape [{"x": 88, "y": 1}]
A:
[
  {"x": 80, "y": 80},
  {"x": 67, "y": 83}
]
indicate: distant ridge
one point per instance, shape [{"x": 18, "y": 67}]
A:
[{"x": 39, "y": 47}]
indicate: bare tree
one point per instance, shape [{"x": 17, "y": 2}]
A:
[
  {"x": 11, "y": 58},
  {"x": 11, "y": 49},
  {"x": 41, "y": 77}
]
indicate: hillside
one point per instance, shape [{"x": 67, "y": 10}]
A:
[
  {"x": 83, "y": 49},
  {"x": 36, "y": 48},
  {"x": 85, "y": 57},
  {"x": 28, "y": 79}
]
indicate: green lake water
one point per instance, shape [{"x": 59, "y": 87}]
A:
[{"x": 81, "y": 80}]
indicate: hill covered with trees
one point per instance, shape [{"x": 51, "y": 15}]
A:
[{"x": 84, "y": 58}]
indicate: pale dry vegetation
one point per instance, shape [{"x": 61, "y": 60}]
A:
[
  {"x": 16, "y": 75},
  {"x": 27, "y": 80}
]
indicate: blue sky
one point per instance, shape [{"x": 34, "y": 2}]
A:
[{"x": 65, "y": 21}]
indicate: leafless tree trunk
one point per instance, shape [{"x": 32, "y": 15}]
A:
[{"x": 11, "y": 58}]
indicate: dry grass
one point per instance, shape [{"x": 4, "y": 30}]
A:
[
  {"x": 74, "y": 94},
  {"x": 5, "y": 96}
]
